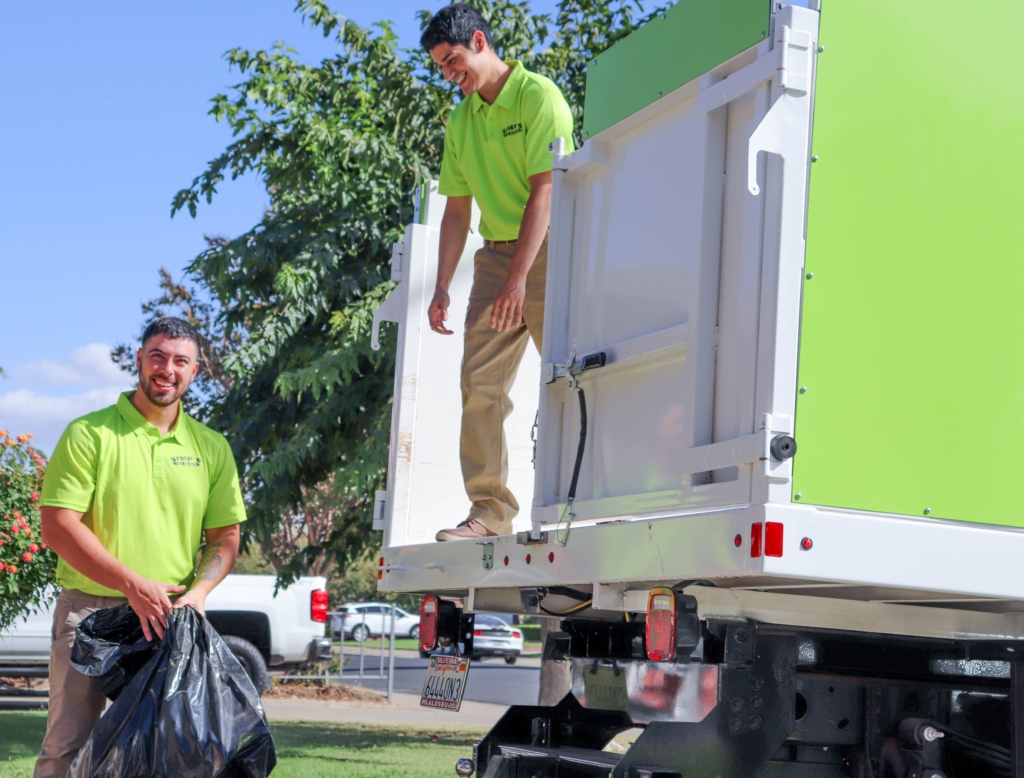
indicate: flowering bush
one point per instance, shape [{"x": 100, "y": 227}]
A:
[{"x": 26, "y": 564}]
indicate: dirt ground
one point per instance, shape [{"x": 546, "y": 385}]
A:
[{"x": 311, "y": 690}]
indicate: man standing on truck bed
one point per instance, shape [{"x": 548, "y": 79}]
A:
[
  {"x": 495, "y": 150},
  {"x": 128, "y": 494}
]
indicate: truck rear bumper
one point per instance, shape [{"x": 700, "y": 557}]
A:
[
  {"x": 320, "y": 650},
  {"x": 856, "y": 554}
]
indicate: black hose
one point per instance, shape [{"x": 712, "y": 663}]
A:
[{"x": 581, "y": 449}]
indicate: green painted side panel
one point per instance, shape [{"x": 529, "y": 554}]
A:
[
  {"x": 912, "y": 343},
  {"x": 686, "y": 41}
]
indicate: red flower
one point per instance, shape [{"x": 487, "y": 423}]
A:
[
  {"x": 34, "y": 496},
  {"x": 26, "y": 557},
  {"x": 44, "y": 547},
  {"x": 15, "y": 529},
  {"x": 22, "y": 438},
  {"x": 3, "y": 566},
  {"x": 33, "y": 548},
  {"x": 13, "y": 568}
]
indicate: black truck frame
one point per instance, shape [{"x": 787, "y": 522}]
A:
[{"x": 791, "y": 703}]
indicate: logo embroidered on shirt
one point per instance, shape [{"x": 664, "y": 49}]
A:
[
  {"x": 512, "y": 129},
  {"x": 186, "y": 461}
]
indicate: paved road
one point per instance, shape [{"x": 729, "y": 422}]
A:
[{"x": 489, "y": 681}]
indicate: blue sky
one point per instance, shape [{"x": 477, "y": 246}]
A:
[{"x": 104, "y": 120}]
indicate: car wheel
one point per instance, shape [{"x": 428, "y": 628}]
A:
[
  {"x": 414, "y": 633},
  {"x": 360, "y": 633},
  {"x": 510, "y": 660},
  {"x": 251, "y": 660}
]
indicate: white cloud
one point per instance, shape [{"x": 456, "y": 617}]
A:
[
  {"x": 23, "y": 410},
  {"x": 49, "y": 394},
  {"x": 87, "y": 366}
]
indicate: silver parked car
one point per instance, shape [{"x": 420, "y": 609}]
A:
[
  {"x": 492, "y": 636},
  {"x": 360, "y": 620}
]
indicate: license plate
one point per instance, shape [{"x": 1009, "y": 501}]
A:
[{"x": 445, "y": 683}]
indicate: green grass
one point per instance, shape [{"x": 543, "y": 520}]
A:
[
  {"x": 309, "y": 750},
  {"x": 373, "y": 644},
  {"x": 21, "y": 735},
  {"x": 304, "y": 749}
]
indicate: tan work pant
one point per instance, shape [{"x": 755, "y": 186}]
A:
[
  {"x": 489, "y": 365},
  {"x": 75, "y": 702}
]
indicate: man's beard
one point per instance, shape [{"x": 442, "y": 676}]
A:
[{"x": 164, "y": 399}]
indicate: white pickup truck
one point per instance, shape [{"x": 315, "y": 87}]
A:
[{"x": 262, "y": 629}]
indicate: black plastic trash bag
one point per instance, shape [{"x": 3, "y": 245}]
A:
[{"x": 183, "y": 706}]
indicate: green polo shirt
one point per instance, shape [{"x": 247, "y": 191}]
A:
[
  {"x": 147, "y": 498},
  {"x": 490, "y": 151}
]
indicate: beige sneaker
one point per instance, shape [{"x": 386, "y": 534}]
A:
[{"x": 470, "y": 529}]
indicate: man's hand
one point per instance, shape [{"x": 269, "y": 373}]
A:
[
  {"x": 438, "y": 312},
  {"x": 193, "y": 599},
  {"x": 151, "y": 604},
  {"x": 508, "y": 305}
]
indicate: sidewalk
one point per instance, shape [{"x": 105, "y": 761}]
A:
[{"x": 403, "y": 709}]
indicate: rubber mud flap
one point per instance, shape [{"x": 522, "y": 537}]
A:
[{"x": 183, "y": 705}]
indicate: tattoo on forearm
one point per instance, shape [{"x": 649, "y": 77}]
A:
[{"x": 212, "y": 563}]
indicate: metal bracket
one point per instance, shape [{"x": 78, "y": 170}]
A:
[
  {"x": 552, "y": 372},
  {"x": 783, "y": 130},
  {"x": 488, "y": 555},
  {"x": 379, "y": 503},
  {"x": 794, "y": 74},
  {"x": 396, "y": 261},
  {"x": 525, "y": 538}
]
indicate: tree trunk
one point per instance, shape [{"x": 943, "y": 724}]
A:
[{"x": 555, "y": 677}]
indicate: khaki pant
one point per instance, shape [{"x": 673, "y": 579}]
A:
[
  {"x": 489, "y": 365},
  {"x": 75, "y": 702}
]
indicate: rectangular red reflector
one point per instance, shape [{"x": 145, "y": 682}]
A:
[
  {"x": 755, "y": 540},
  {"x": 773, "y": 538},
  {"x": 318, "y": 606},
  {"x": 428, "y": 623},
  {"x": 661, "y": 625}
]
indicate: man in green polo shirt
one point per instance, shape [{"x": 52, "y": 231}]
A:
[
  {"x": 496, "y": 151},
  {"x": 129, "y": 494}
]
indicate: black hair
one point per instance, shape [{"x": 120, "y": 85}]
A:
[
  {"x": 174, "y": 328},
  {"x": 455, "y": 24}
]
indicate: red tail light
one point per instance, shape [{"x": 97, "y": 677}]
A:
[
  {"x": 478, "y": 633},
  {"x": 772, "y": 538},
  {"x": 318, "y": 605},
  {"x": 516, "y": 634},
  {"x": 428, "y": 623},
  {"x": 661, "y": 625}
]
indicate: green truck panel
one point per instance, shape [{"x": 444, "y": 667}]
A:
[
  {"x": 672, "y": 49},
  {"x": 912, "y": 343}
]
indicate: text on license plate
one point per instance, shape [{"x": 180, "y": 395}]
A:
[{"x": 445, "y": 683}]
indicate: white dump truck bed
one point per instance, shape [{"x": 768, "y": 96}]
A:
[{"x": 677, "y": 250}]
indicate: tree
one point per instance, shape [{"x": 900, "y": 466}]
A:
[{"x": 340, "y": 147}]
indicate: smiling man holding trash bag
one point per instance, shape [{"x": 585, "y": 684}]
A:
[{"x": 129, "y": 494}]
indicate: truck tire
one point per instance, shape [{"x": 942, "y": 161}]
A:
[{"x": 251, "y": 660}]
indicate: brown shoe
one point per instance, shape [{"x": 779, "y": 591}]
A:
[{"x": 470, "y": 529}]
